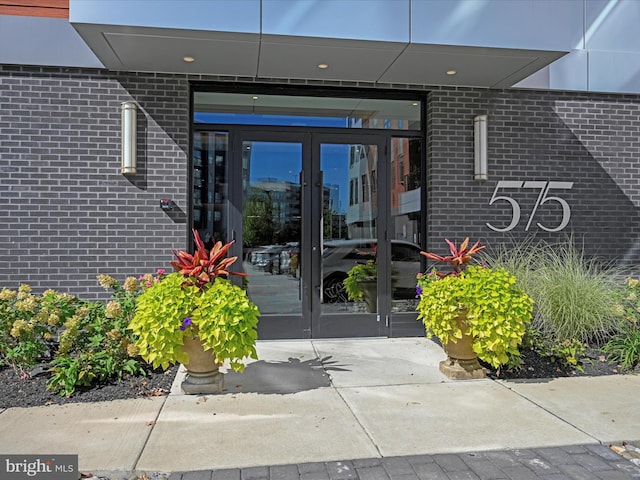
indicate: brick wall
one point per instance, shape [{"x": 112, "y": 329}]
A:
[
  {"x": 35, "y": 8},
  {"x": 591, "y": 140},
  {"x": 67, "y": 214}
]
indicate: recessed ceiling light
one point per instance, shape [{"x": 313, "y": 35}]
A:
[
  {"x": 323, "y": 66},
  {"x": 451, "y": 72},
  {"x": 415, "y": 104},
  {"x": 188, "y": 59},
  {"x": 255, "y": 97}
]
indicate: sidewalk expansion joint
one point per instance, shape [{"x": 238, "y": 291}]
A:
[
  {"x": 344, "y": 400},
  {"x": 542, "y": 407},
  {"x": 152, "y": 426}
]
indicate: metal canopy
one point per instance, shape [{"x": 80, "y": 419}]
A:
[{"x": 150, "y": 49}]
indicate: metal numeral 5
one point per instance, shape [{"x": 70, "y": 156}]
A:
[{"x": 543, "y": 198}]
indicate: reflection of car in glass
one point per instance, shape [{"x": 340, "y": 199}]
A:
[
  {"x": 288, "y": 256},
  {"x": 268, "y": 258},
  {"x": 340, "y": 255}
]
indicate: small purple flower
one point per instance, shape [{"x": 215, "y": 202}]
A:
[
  {"x": 418, "y": 291},
  {"x": 185, "y": 323}
]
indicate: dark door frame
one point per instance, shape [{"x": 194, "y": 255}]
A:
[{"x": 311, "y": 324}]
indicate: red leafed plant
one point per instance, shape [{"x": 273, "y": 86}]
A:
[
  {"x": 459, "y": 257},
  {"x": 204, "y": 266}
]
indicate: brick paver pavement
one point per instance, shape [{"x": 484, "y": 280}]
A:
[{"x": 576, "y": 462}]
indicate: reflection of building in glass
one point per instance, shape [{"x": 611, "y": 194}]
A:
[
  {"x": 405, "y": 189},
  {"x": 362, "y": 210},
  {"x": 335, "y": 225},
  {"x": 334, "y": 197},
  {"x": 210, "y": 186}
]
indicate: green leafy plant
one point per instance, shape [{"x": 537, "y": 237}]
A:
[
  {"x": 29, "y": 324},
  {"x": 497, "y": 310},
  {"x": 569, "y": 352},
  {"x": 95, "y": 345},
  {"x": 361, "y": 281},
  {"x": 628, "y": 306},
  {"x": 196, "y": 300},
  {"x": 362, "y": 272},
  {"x": 623, "y": 347}
]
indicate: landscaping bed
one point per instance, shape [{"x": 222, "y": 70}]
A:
[{"x": 30, "y": 392}]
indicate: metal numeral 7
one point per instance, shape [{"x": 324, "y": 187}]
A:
[{"x": 543, "y": 198}]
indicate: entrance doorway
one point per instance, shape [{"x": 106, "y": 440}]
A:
[{"x": 304, "y": 206}]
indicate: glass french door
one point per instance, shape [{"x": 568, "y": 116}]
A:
[
  {"x": 305, "y": 218},
  {"x": 348, "y": 222},
  {"x": 304, "y": 209},
  {"x": 273, "y": 231}
]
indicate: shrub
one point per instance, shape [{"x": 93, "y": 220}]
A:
[
  {"x": 94, "y": 347},
  {"x": 576, "y": 298},
  {"x": 624, "y": 349},
  {"x": 29, "y": 324},
  {"x": 519, "y": 259},
  {"x": 82, "y": 342},
  {"x": 95, "y": 344},
  {"x": 569, "y": 352}
]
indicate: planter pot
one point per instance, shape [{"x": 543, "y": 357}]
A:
[
  {"x": 370, "y": 292},
  {"x": 462, "y": 362},
  {"x": 203, "y": 376}
]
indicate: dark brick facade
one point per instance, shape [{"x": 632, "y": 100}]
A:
[
  {"x": 68, "y": 214},
  {"x": 589, "y": 139}
]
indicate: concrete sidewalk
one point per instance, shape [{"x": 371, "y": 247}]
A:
[{"x": 310, "y": 402}]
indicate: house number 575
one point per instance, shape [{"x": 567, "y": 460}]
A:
[{"x": 543, "y": 197}]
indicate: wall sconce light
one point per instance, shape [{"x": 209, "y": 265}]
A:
[
  {"x": 481, "y": 172},
  {"x": 129, "y": 133}
]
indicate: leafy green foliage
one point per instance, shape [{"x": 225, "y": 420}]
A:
[
  {"x": 29, "y": 324},
  {"x": 568, "y": 351},
  {"x": 196, "y": 301},
  {"x": 94, "y": 347},
  {"x": 258, "y": 220},
  {"x": 95, "y": 344},
  {"x": 497, "y": 310},
  {"x": 82, "y": 342},
  {"x": 356, "y": 275},
  {"x": 222, "y": 316},
  {"x": 628, "y": 307},
  {"x": 624, "y": 348}
]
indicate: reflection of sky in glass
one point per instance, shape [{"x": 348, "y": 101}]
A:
[
  {"x": 335, "y": 166},
  {"x": 283, "y": 161},
  {"x": 275, "y": 160},
  {"x": 280, "y": 120}
]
